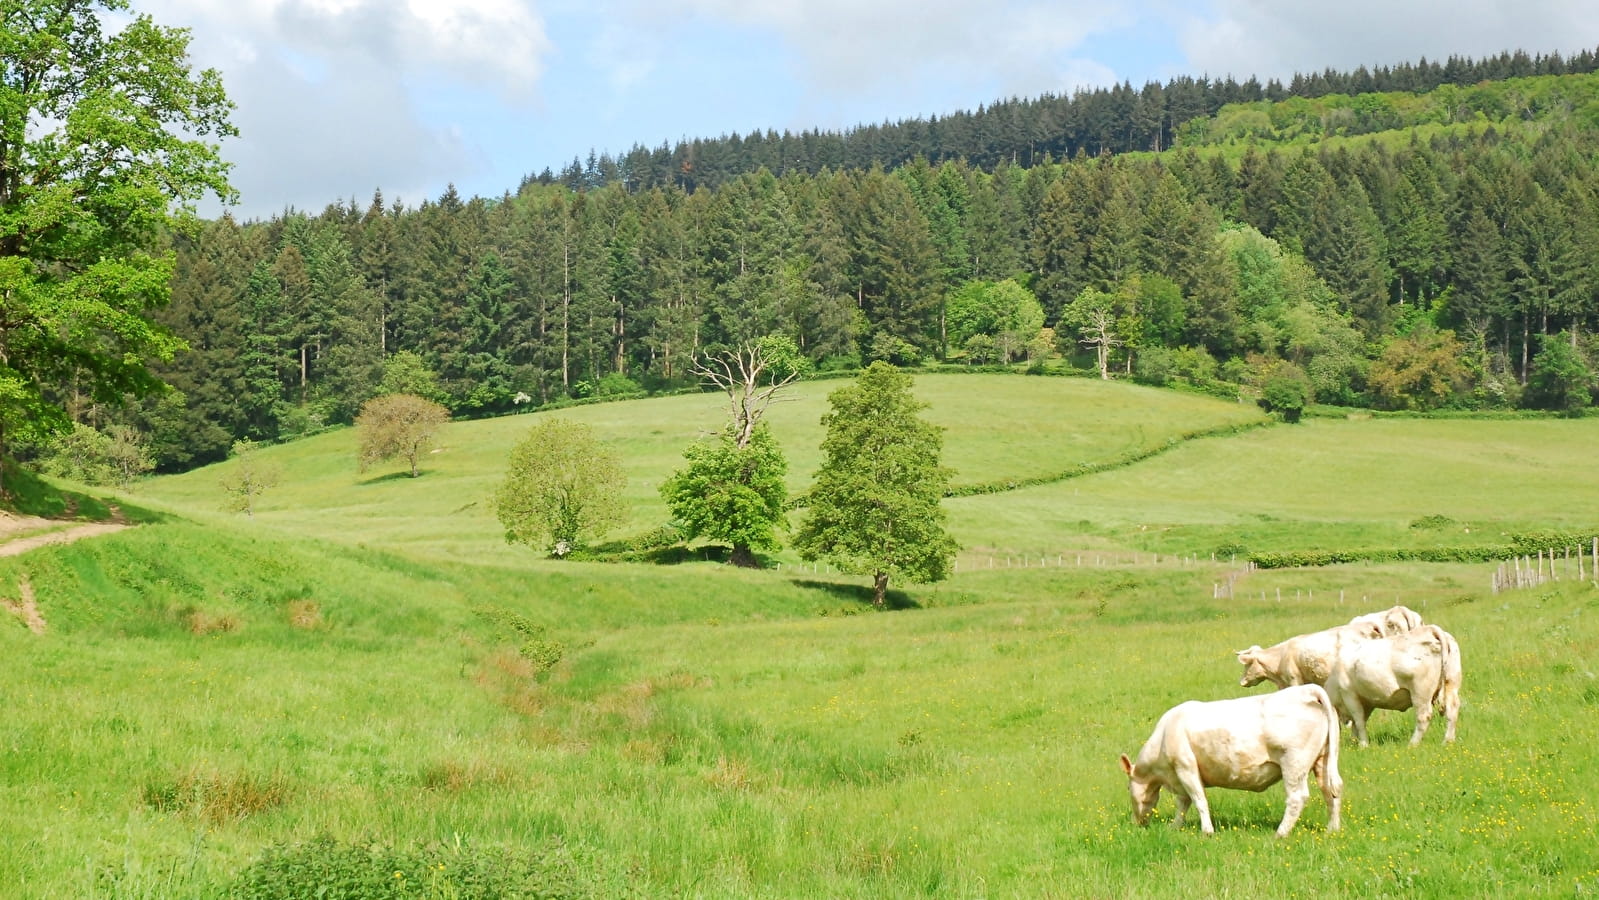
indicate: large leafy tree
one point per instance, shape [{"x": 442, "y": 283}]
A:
[
  {"x": 875, "y": 506},
  {"x": 562, "y": 486},
  {"x": 103, "y": 149},
  {"x": 733, "y": 489}
]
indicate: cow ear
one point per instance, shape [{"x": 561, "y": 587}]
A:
[
  {"x": 1250, "y": 652},
  {"x": 1127, "y": 765}
]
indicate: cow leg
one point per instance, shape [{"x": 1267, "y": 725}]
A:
[
  {"x": 1451, "y": 713},
  {"x": 1423, "y": 719},
  {"x": 1182, "y": 808},
  {"x": 1298, "y": 792},
  {"x": 1195, "y": 789},
  {"x": 1332, "y": 791},
  {"x": 1357, "y": 719}
]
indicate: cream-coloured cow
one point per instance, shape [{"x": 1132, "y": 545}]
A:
[
  {"x": 1303, "y": 659},
  {"x": 1392, "y": 621},
  {"x": 1420, "y": 669},
  {"x": 1249, "y": 743}
]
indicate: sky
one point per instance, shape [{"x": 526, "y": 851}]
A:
[{"x": 339, "y": 98}]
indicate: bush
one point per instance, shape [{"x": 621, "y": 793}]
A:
[
  {"x": 327, "y": 868},
  {"x": 1154, "y": 365}
]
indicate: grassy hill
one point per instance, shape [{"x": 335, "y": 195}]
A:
[{"x": 351, "y": 688}]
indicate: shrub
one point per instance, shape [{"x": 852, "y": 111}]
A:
[{"x": 327, "y": 868}]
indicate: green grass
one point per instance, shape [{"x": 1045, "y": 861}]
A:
[
  {"x": 997, "y": 427},
  {"x": 335, "y": 686},
  {"x": 727, "y": 740}
]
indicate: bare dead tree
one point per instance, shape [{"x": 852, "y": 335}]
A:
[{"x": 746, "y": 376}]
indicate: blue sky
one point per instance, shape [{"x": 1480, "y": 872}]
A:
[{"x": 340, "y": 97}]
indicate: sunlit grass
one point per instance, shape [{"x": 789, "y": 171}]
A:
[
  {"x": 212, "y": 686},
  {"x": 712, "y": 732}
]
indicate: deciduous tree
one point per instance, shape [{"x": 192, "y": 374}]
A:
[
  {"x": 875, "y": 506},
  {"x": 733, "y": 488},
  {"x": 248, "y": 477},
  {"x": 401, "y": 425},
  {"x": 562, "y": 487},
  {"x": 103, "y": 150}
]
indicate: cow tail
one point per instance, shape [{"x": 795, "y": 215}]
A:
[
  {"x": 1447, "y": 661},
  {"x": 1332, "y": 733},
  {"x": 1449, "y": 684}
]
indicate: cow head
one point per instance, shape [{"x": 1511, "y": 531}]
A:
[
  {"x": 1254, "y": 668},
  {"x": 1143, "y": 791}
]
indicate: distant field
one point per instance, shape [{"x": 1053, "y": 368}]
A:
[
  {"x": 997, "y": 427},
  {"x": 1322, "y": 484}
]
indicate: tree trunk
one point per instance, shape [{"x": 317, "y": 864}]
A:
[
  {"x": 880, "y": 590},
  {"x": 744, "y": 557}
]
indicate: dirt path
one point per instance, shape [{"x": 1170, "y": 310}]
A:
[
  {"x": 19, "y": 534},
  {"x": 26, "y": 609}
]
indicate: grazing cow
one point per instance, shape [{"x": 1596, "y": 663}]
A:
[
  {"x": 1249, "y": 743},
  {"x": 1392, "y": 621},
  {"x": 1419, "y": 669},
  {"x": 1305, "y": 659}
]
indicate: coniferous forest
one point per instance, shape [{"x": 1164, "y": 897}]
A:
[{"x": 1412, "y": 238}]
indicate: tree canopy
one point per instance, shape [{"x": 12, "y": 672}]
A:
[
  {"x": 561, "y": 487},
  {"x": 874, "y": 508},
  {"x": 103, "y": 150},
  {"x": 402, "y": 425}
]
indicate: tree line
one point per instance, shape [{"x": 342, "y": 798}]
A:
[
  {"x": 1408, "y": 270},
  {"x": 1026, "y": 131}
]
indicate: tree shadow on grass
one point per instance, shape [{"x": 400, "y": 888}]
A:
[
  {"x": 392, "y": 476},
  {"x": 856, "y": 593}
]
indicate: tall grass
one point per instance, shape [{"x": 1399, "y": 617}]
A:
[
  {"x": 733, "y": 741},
  {"x": 348, "y": 688}
]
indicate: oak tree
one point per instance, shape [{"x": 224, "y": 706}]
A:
[{"x": 104, "y": 149}]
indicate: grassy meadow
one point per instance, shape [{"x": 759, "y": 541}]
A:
[{"x": 347, "y": 690}]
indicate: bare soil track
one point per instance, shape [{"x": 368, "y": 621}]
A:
[{"x": 19, "y": 534}]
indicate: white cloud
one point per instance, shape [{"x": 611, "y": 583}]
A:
[
  {"x": 325, "y": 88},
  {"x": 851, "y": 46},
  {"x": 1273, "y": 39}
]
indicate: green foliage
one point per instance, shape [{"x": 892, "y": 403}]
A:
[
  {"x": 116, "y": 456},
  {"x": 247, "y": 477},
  {"x": 103, "y": 146},
  {"x": 875, "y": 505},
  {"x": 1004, "y": 312},
  {"x": 731, "y": 494},
  {"x": 402, "y": 425},
  {"x": 533, "y": 641},
  {"x": 1561, "y": 377},
  {"x": 561, "y": 487},
  {"x": 405, "y": 372},
  {"x": 892, "y": 349},
  {"x": 325, "y": 867},
  {"x": 1419, "y": 372},
  {"x": 1285, "y": 390}
]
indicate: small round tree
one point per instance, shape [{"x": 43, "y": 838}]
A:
[
  {"x": 398, "y": 425},
  {"x": 732, "y": 493},
  {"x": 562, "y": 487}
]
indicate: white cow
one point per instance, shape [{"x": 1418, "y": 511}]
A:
[
  {"x": 1303, "y": 659},
  {"x": 1250, "y": 743},
  {"x": 1392, "y": 621},
  {"x": 1419, "y": 669}
]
